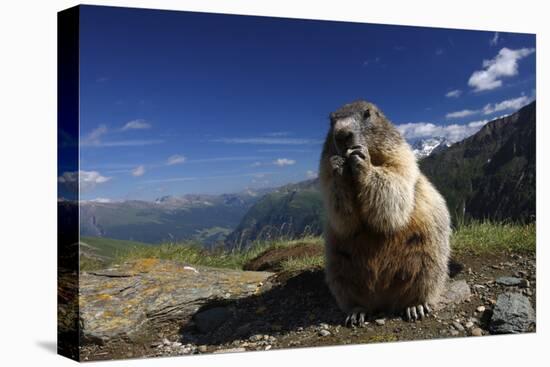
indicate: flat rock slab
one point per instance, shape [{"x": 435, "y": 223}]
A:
[
  {"x": 119, "y": 302},
  {"x": 512, "y": 314},
  {"x": 512, "y": 281}
]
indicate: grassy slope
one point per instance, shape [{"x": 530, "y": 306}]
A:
[{"x": 476, "y": 237}]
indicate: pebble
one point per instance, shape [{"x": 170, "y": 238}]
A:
[
  {"x": 480, "y": 309},
  {"x": 476, "y": 332},
  {"x": 380, "y": 322},
  {"x": 256, "y": 338},
  {"x": 203, "y": 348},
  {"x": 323, "y": 326},
  {"x": 268, "y": 347},
  {"x": 454, "y": 332},
  {"x": 458, "y": 326},
  {"x": 469, "y": 325},
  {"x": 324, "y": 332}
]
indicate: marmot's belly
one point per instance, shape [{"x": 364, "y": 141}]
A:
[{"x": 389, "y": 281}]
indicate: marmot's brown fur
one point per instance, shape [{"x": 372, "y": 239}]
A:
[{"x": 387, "y": 233}]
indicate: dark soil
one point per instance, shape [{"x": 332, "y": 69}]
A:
[{"x": 297, "y": 310}]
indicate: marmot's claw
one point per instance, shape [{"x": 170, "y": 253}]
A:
[
  {"x": 358, "y": 150},
  {"x": 418, "y": 312},
  {"x": 355, "y": 319}
]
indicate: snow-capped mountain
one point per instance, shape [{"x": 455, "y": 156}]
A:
[{"x": 424, "y": 147}]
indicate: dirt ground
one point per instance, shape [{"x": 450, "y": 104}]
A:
[{"x": 296, "y": 310}]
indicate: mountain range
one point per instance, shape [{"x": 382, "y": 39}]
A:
[
  {"x": 203, "y": 218},
  {"x": 490, "y": 174}
]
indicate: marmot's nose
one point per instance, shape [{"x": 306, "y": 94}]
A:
[{"x": 344, "y": 137}]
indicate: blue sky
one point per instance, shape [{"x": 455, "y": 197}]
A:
[{"x": 175, "y": 102}]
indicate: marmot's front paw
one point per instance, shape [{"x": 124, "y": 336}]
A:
[
  {"x": 355, "y": 319},
  {"x": 418, "y": 312},
  {"x": 358, "y": 157},
  {"x": 337, "y": 164}
]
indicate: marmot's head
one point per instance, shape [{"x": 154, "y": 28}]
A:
[{"x": 361, "y": 123}]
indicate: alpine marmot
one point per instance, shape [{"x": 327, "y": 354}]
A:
[{"x": 387, "y": 231}]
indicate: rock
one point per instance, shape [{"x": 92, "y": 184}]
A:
[
  {"x": 211, "y": 319},
  {"x": 380, "y": 322},
  {"x": 203, "y": 348},
  {"x": 123, "y": 302},
  {"x": 256, "y": 338},
  {"x": 512, "y": 314},
  {"x": 480, "y": 309},
  {"x": 324, "y": 332},
  {"x": 476, "y": 332},
  {"x": 469, "y": 325},
  {"x": 454, "y": 332},
  {"x": 323, "y": 326},
  {"x": 512, "y": 281},
  {"x": 458, "y": 326},
  {"x": 457, "y": 291},
  {"x": 230, "y": 350}
]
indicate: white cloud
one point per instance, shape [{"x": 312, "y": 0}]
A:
[
  {"x": 256, "y": 164},
  {"x": 454, "y": 93},
  {"x": 460, "y": 114},
  {"x": 311, "y": 174},
  {"x": 439, "y": 51},
  {"x": 88, "y": 180},
  {"x": 95, "y": 135},
  {"x": 505, "y": 64},
  {"x": 453, "y": 132},
  {"x": 281, "y": 162},
  {"x": 138, "y": 171},
  {"x": 509, "y": 104},
  {"x": 268, "y": 141},
  {"x": 136, "y": 125},
  {"x": 494, "y": 40},
  {"x": 175, "y": 159},
  {"x": 101, "y": 200},
  {"x": 94, "y": 138}
]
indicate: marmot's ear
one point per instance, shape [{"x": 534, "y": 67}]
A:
[{"x": 366, "y": 114}]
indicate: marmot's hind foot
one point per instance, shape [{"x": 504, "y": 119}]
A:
[
  {"x": 417, "y": 312},
  {"x": 355, "y": 319}
]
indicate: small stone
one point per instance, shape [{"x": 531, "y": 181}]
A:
[
  {"x": 256, "y": 338},
  {"x": 510, "y": 281},
  {"x": 468, "y": 325},
  {"x": 268, "y": 347},
  {"x": 476, "y": 332},
  {"x": 324, "y": 326},
  {"x": 324, "y": 332},
  {"x": 380, "y": 322},
  {"x": 480, "y": 309},
  {"x": 454, "y": 332},
  {"x": 166, "y": 341},
  {"x": 203, "y": 348},
  {"x": 458, "y": 326}
]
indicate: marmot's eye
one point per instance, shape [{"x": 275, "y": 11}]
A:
[{"x": 366, "y": 114}]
